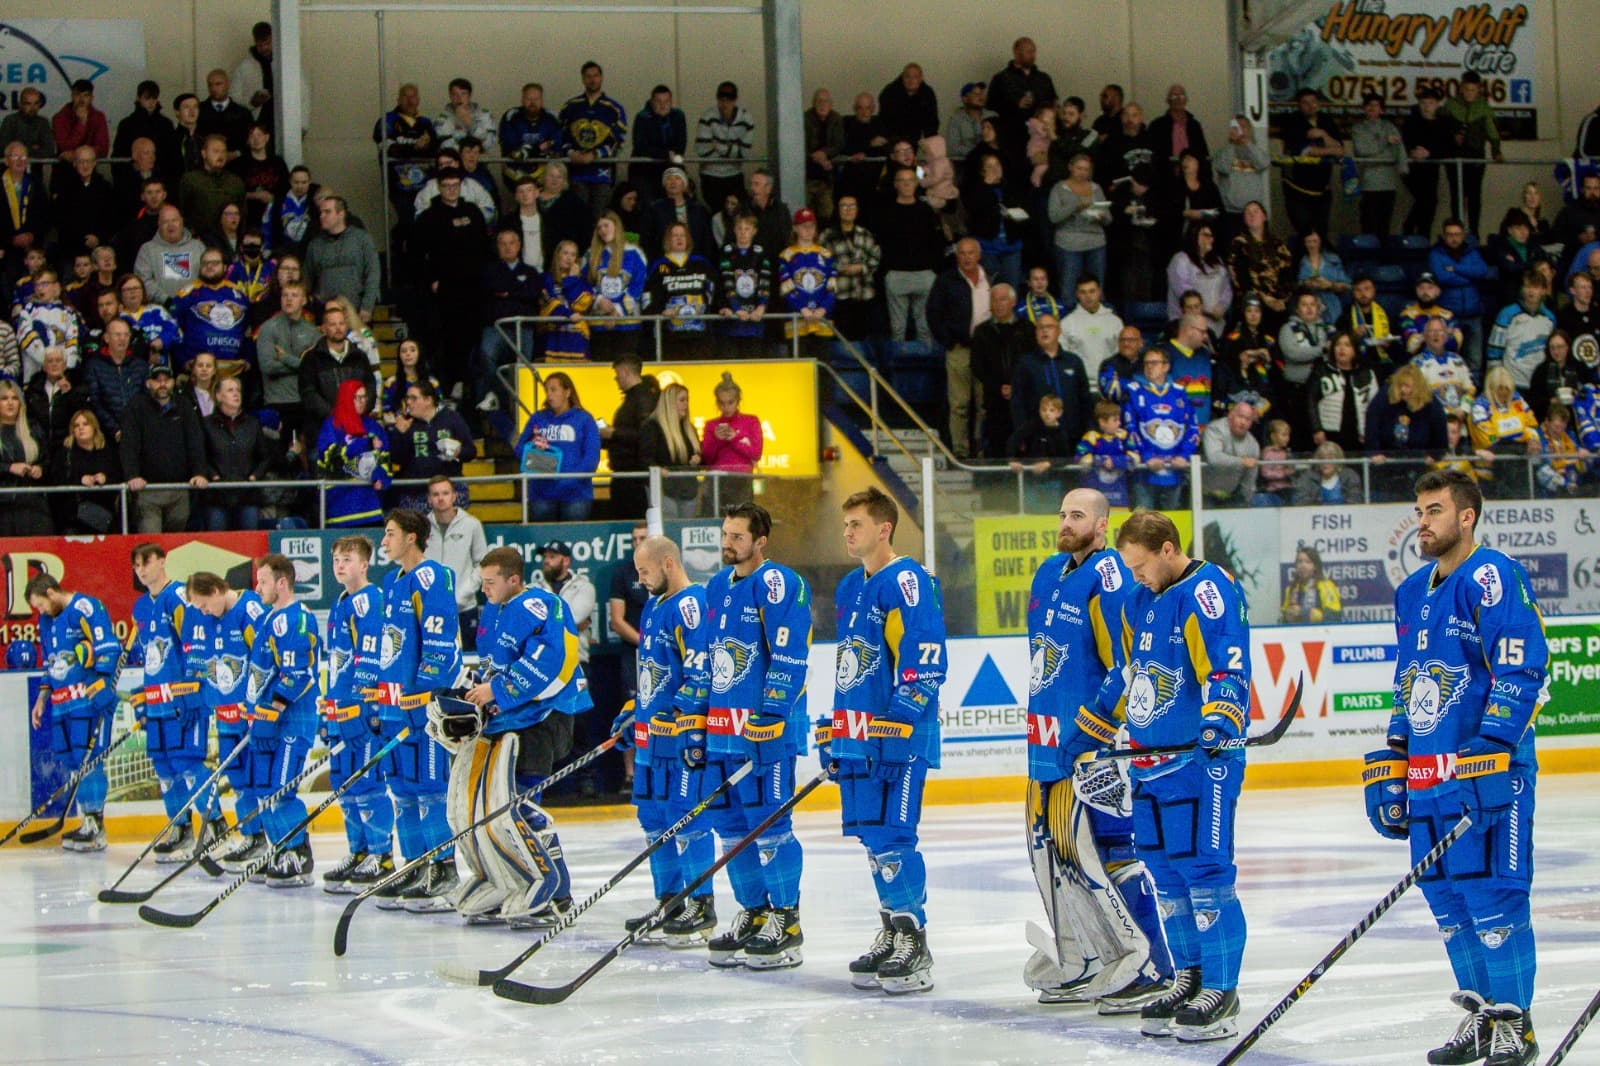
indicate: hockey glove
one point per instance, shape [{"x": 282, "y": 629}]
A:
[
  {"x": 822, "y": 734},
  {"x": 1483, "y": 767},
  {"x": 692, "y": 741},
  {"x": 622, "y": 728},
  {"x": 1383, "y": 780},
  {"x": 893, "y": 758},
  {"x": 1219, "y": 723}
]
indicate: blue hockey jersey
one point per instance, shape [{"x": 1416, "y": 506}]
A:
[
  {"x": 212, "y": 319},
  {"x": 420, "y": 651},
  {"x": 534, "y": 655},
  {"x": 674, "y": 638},
  {"x": 1187, "y": 651},
  {"x": 806, "y": 280},
  {"x": 625, "y": 288},
  {"x": 233, "y": 636},
  {"x": 355, "y": 634},
  {"x": 760, "y": 635},
  {"x": 1161, "y": 423},
  {"x": 361, "y": 460},
  {"x": 599, "y": 126},
  {"x": 157, "y": 326},
  {"x": 160, "y": 620},
  {"x": 283, "y": 688},
  {"x": 81, "y": 654},
  {"x": 1072, "y": 611},
  {"x": 1472, "y": 662}
]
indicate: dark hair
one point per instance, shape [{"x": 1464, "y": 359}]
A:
[
  {"x": 1463, "y": 489},
  {"x": 755, "y": 516},
  {"x": 661, "y": 89},
  {"x": 411, "y": 522},
  {"x": 297, "y": 168},
  {"x": 591, "y": 65},
  {"x": 83, "y": 85},
  {"x": 205, "y": 583},
  {"x": 354, "y": 544},
  {"x": 177, "y": 101},
  {"x": 461, "y": 83},
  {"x": 880, "y": 508},
  {"x": 147, "y": 550},
  {"x": 1315, "y": 556},
  {"x": 40, "y": 585},
  {"x": 629, "y": 359},
  {"x": 469, "y": 141},
  {"x": 280, "y": 566},
  {"x": 1088, "y": 277},
  {"x": 1452, "y": 221},
  {"x": 261, "y": 31},
  {"x": 148, "y": 88},
  {"x": 1077, "y": 102},
  {"x": 424, "y": 386},
  {"x": 1514, "y": 216},
  {"x": 1472, "y": 77},
  {"x": 1191, "y": 244},
  {"x": 505, "y": 559},
  {"x": 566, "y": 380}
]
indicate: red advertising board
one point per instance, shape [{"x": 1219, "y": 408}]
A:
[{"x": 100, "y": 567}]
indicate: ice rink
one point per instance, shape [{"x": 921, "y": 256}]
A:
[{"x": 257, "y": 981}]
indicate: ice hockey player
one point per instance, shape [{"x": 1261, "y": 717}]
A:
[
  {"x": 176, "y": 727},
  {"x": 81, "y": 659},
  {"x": 1105, "y": 943},
  {"x": 418, "y": 655},
  {"x": 1470, "y": 678},
  {"x": 282, "y": 693},
  {"x": 1186, "y": 643},
  {"x": 523, "y": 709},
  {"x": 230, "y": 620},
  {"x": 355, "y": 633},
  {"x": 672, "y": 688},
  {"x": 760, "y": 618},
  {"x": 883, "y": 735}
]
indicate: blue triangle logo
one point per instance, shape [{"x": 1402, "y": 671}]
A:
[{"x": 989, "y": 688}]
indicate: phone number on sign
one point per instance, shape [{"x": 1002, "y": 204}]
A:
[{"x": 1397, "y": 89}]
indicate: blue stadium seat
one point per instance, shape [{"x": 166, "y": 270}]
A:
[
  {"x": 916, "y": 371},
  {"x": 1359, "y": 246},
  {"x": 291, "y": 522},
  {"x": 1409, "y": 246},
  {"x": 1390, "y": 278},
  {"x": 1146, "y": 315}
]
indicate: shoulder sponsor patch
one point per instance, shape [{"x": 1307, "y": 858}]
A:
[
  {"x": 689, "y": 610},
  {"x": 84, "y": 607},
  {"x": 1209, "y": 597},
  {"x": 777, "y": 587},
  {"x": 537, "y": 607},
  {"x": 1110, "y": 575},
  {"x": 425, "y": 577},
  {"x": 1487, "y": 578},
  {"x": 255, "y": 609},
  {"x": 280, "y": 624},
  {"x": 909, "y": 588},
  {"x": 361, "y": 605}
]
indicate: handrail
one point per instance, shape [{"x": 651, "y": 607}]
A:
[{"x": 710, "y": 321}]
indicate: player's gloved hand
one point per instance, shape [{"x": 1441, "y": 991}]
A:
[
  {"x": 622, "y": 729},
  {"x": 692, "y": 745},
  {"x": 1483, "y": 767},
  {"x": 1383, "y": 781},
  {"x": 893, "y": 758},
  {"x": 822, "y": 736},
  {"x": 1219, "y": 723}
]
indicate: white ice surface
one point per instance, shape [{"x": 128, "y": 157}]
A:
[{"x": 257, "y": 981}]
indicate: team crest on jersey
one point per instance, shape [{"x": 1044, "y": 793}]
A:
[
  {"x": 425, "y": 577},
  {"x": 1429, "y": 691},
  {"x": 909, "y": 587},
  {"x": 256, "y": 685},
  {"x": 1209, "y": 597},
  {"x": 1044, "y": 663},
  {"x": 389, "y": 646},
  {"x": 60, "y": 666},
  {"x": 1110, "y": 574},
  {"x": 1151, "y": 692},
  {"x": 652, "y": 676},
  {"x": 1487, "y": 577},
  {"x": 224, "y": 672},
  {"x": 156, "y": 650},
  {"x": 854, "y": 662},
  {"x": 776, "y": 586},
  {"x": 730, "y": 662},
  {"x": 689, "y": 611},
  {"x": 338, "y": 663}
]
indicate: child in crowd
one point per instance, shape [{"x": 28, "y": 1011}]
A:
[
  {"x": 1105, "y": 453},
  {"x": 1276, "y": 478},
  {"x": 1038, "y": 301}
]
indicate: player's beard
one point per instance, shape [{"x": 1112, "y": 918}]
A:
[
  {"x": 658, "y": 590},
  {"x": 1441, "y": 544},
  {"x": 1073, "y": 543},
  {"x": 731, "y": 557}
]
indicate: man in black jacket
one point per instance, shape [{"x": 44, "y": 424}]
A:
[
  {"x": 1049, "y": 369},
  {"x": 328, "y": 364},
  {"x": 1428, "y": 135},
  {"x": 908, "y": 106},
  {"x": 998, "y": 345},
  {"x": 959, "y": 301},
  {"x": 629, "y": 496},
  {"x": 144, "y": 121},
  {"x": 452, "y": 242},
  {"x": 162, "y": 445},
  {"x": 510, "y": 289}
]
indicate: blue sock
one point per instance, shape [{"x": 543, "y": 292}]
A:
[
  {"x": 697, "y": 852},
  {"x": 1508, "y": 956},
  {"x": 1219, "y": 920},
  {"x": 779, "y": 857},
  {"x": 355, "y": 834},
  {"x": 1177, "y": 921},
  {"x": 408, "y": 825},
  {"x": 901, "y": 877},
  {"x": 664, "y": 872},
  {"x": 435, "y": 825},
  {"x": 748, "y": 880},
  {"x": 377, "y": 821}
]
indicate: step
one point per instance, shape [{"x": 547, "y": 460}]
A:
[
  {"x": 479, "y": 467},
  {"x": 493, "y": 491},
  {"x": 497, "y": 512}
]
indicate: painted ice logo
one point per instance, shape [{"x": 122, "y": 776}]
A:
[
  {"x": 730, "y": 662},
  {"x": 1110, "y": 574},
  {"x": 1151, "y": 692},
  {"x": 1430, "y": 690},
  {"x": 1044, "y": 663},
  {"x": 855, "y": 661},
  {"x": 389, "y": 646},
  {"x": 1209, "y": 597},
  {"x": 776, "y": 586},
  {"x": 689, "y": 610},
  {"x": 1487, "y": 577},
  {"x": 908, "y": 587}
]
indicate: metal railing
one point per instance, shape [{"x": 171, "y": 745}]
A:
[{"x": 709, "y": 326}]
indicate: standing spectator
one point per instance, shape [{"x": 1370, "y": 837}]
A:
[
  {"x": 616, "y": 269},
  {"x": 236, "y": 451},
  {"x": 1244, "y": 170},
  {"x": 1415, "y": 315},
  {"x": 198, "y": 384},
  {"x": 1429, "y": 136},
  {"x": 563, "y": 215},
  {"x": 909, "y": 107},
  {"x": 998, "y": 345},
  {"x": 169, "y": 261},
  {"x": 1191, "y": 198},
  {"x": 773, "y": 217},
  {"x": 1367, "y": 321},
  {"x": 1446, "y": 372},
  {"x": 184, "y": 152},
  {"x": 1503, "y": 427},
  {"x": 1381, "y": 154},
  {"x": 1339, "y": 391},
  {"x": 681, "y": 285},
  {"x": 1258, "y": 262},
  {"x": 10, "y": 353},
  {"x": 1014, "y": 92},
  {"x": 668, "y": 442},
  {"x": 477, "y": 185},
  {"x": 281, "y": 343},
  {"x": 561, "y": 436},
  {"x": 912, "y": 243},
  {"x": 958, "y": 303},
  {"x": 963, "y": 128},
  {"x": 1310, "y": 598},
  {"x": 221, "y": 114},
  {"x": 85, "y": 205},
  {"x": 86, "y": 298},
  {"x": 1039, "y": 444},
  {"x": 45, "y": 321},
  {"x": 211, "y": 315},
  {"x": 1330, "y": 483},
  {"x": 1458, "y": 268},
  {"x": 856, "y": 256},
  {"x": 745, "y": 271},
  {"x": 1161, "y": 422},
  {"x": 342, "y": 260},
  {"x": 1091, "y": 328},
  {"x": 1579, "y": 318},
  {"x": 1556, "y": 380},
  {"x": 22, "y": 464},
  {"x": 203, "y": 193},
  {"x": 1312, "y": 145},
  {"x": 629, "y": 496},
  {"x": 352, "y": 448},
  {"x": 1189, "y": 362},
  {"x": 410, "y": 142},
  {"x": 1111, "y": 104},
  {"x": 115, "y": 377},
  {"x": 864, "y": 138},
  {"x": 410, "y": 367},
  {"x": 660, "y": 134},
  {"x": 556, "y": 575},
  {"x": 265, "y": 176},
  {"x": 162, "y": 444},
  {"x": 1176, "y": 131},
  {"x": 996, "y": 219},
  {"x": 1049, "y": 369},
  {"x": 28, "y": 127},
  {"x": 127, "y": 190},
  {"x": 326, "y": 366},
  {"x": 806, "y": 280},
  {"x": 676, "y": 205},
  {"x": 453, "y": 244},
  {"x": 152, "y": 323},
  {"x": 1275, "y": 483},
  {"x": 732, "y": 443},
  {"x": 254, "y": 81},
  {"x": 510, "y": 289},
  {"x": 80, "y": 123},
  {"x": 1476, "y": 136},
  {"x": 1303, "y": 342},
  {"x": 528, "y": 132},
  {"x": 624, "y": 609},
  {"x": 464, "y": 117},
  {"x": 1517, "y": 340},
  {"x": 456, "y": 541},
  {"x": 53, "y": 396},
  {"x": 1405, "y": 426},
  {"x": 1232, "y": 456},
  {"x": 26, "y": 220},
  {"x": 526, "y": 220},
  {"x": 1105, "y": 453},
  {"x": 89, "y": 460},
  {"x": 427, "y": 440},
  {"x": 1135, "y": 234},
  {"x": 1322, "y": 272},
  {"x": 824, "y": 130},
  {"x": 1248, "y": 367},
  {"x": 1198, "y": 267},
  {"x": 296, "y": 216},
  {"x": 1128, "y": 148},
  {"x": 593, "y": 128},
  {"x": 725, "y": 132}
]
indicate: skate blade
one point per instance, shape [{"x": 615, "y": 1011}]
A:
[
  {"x": 289, "y": 882},
  {"x": 784, "y": 960},
  {"x": 867, "y": 982},
  {"x": 901, "y": 986},
  {"x": 84, "y": 848},
  {"x": 431, "y": 906},
  {"x": 727, "y": 960},
  {"x": 1223, "y": 1030},
  {"x": 391, "y": 904},
  {"x": 1132, "y": 1004},
  {"x": 1156, "y": 1027},
  {"x": 685, "y": 941},
  {"x": 338, "y": 888},
  {"x": 1052, "y": 998}
]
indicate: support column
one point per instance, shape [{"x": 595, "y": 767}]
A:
[
  {"x": 288, "y": 101},
  {"x": 780, "y": 24}
]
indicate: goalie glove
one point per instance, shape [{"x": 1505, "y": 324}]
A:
[
  {"x": 1103, "y": 785},
  {"x": 454, "y": 723}
]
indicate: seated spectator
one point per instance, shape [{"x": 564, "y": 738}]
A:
[
  {"x": 85, "y": 204},
  {"x": 264, "y": 174},
  {"x": 1566, "y": 465},
  {"x": 1511, "y": 252},
  {"x": 1310, "y": 598},
  {"x": 211, "y": 314},
  {"x": 1558, "y": 378},
  {"x": 1340, "y": 390},
  {"x": 1517, "y": 339},
  {"x": 675, "y": 205},
  {"x": 1232, "y": 457},
  {"x": 629, "y": 204},
  {"x": 10, "y": 353},
  {"x": 1322, "y": 272},
  {"x": 560, "y": 437},
  {"x": 1579, "y": 319},
  {"x": 562, "y": 212},
  {"x": 198, "y": 384},
  {"x": 464, "y": 117},
  {"x": 34, "y": 262},
  {"x": 1443, "y": 369},
  {"x": 410, "y": 368},
  {"x": 1162, "y": 425},
  {"x": 1123, "y": 366},
  {"x": 428, "y": 440},
  {"x": 565, "y": 293},
  {"x": 22, "y": 465},
  {"x": 115, "y": 378},
  {"x": 169, "y": 261},
  {"x": 281, "y": 343},
  {"x": 236, "y": 451},
  {"x": 53, "y": 396},
  {"x": 102, "y": 279},
  {"x": 162, "y": 444},
  {"x": 1275, "y": 485},
  {"x": 342, "y": 260},
  {"x": 1414, "y": 317},
  {"x": 856, "y": 257},
  {"x": 353, "y": 449},
  {"x": 806, "y": 281},
  {"x": 1106, "y": 452},
  {"x": 668, "y": 441},
  {"x": 682, "y": 285},
  {"x": 732, "y": 443},
  {"x": 1198, "y": 267},
  {"x": 46, "y": 321},
  {"x": 153, "y": 323},
  {"x": 1259, "y": 262},
  {"x": 996, "y": 218},
  {"x": 1405, "y": 425},
  {"x": 86, "y": 458},
  {"x": 1457, "y": 453},
  {"x": 1079, "y": 219},
  {"x": 616, "y": 270},
  {"x": 93, "y": 342},
  {"x": 1037, "y": 300},
  {"x": 1367, "y": 321},
  {"x": 1329, "y": 483},
  {"x": 325, "y": 367},
  {"x": 1503, "y": 428}
]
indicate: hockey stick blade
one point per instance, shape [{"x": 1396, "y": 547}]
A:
[
  {"x": 539, "y": 996},
  {"x": 1567, "y": 1042},
  {"x": 486, "y": 978},
  {"x": 185, "y": 921},
  {"x": 341, "y": 931},
  {"x": 1356, "y": 933},
  {"x": 1260, "y": 740}
]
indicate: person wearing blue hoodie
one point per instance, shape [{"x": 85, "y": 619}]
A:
[
  {"x": 1459, "y": 269},
  {"x": 560, "y": 436}
]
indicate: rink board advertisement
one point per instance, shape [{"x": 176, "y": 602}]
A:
[
  {"x": 51, "y": 54},
  {"x": 1369, "y": 550},
  {"x": 1396, "y": 47},
  {"x": 1007, "y": 551}
]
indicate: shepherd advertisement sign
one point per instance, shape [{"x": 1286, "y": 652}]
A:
[
  {"x": 1396, "y": 47},
  {"x": 51, "y": 54}
]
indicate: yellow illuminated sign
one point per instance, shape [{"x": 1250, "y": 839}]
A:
[{"x": 782, "y": 393}]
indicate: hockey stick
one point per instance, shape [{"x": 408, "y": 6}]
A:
[
  {"x": 1575, "y": 1032},
  {"x": 109, "y": 895},
  {"x": 186, "y": 921},
  {"x": 90, "y": 763},
  {"x": 1261, "y": 740},
  {"x": 341, "y": 932},
  {"x": 203, "y": 856},
  {"x": 1412, "y": 876},
  {"x": 482, "y": 978},
  {"x": 506, "y": 988}
]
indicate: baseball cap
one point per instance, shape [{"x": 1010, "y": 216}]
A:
[
  {"x": 971, "y": 85},
  {"x": 560, "y": 547},
  {"x": 805, "y": 214},
  {"x": 1252, "y": 299},
  {"x": 679, "y": 171},
  {"x": 1427, "y": 276},
  {"x": 157, "y": 368}
]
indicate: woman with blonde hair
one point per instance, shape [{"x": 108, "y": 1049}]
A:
[
  {"x": 22, "y": 514},
  {"x": 616, "y": 268},
  {"x": 85, "y": 459},
  {"x": 1502, "y": 426},
  {"x": 732, "y": 441},
  {"x": 668, "y": 441},
  {"x": 1405, "y": 430}
]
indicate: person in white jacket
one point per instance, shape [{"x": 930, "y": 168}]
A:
[{"x": 255, "y": 80}]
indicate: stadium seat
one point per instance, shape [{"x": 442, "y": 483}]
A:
[{"x": 1359, "y": 246}]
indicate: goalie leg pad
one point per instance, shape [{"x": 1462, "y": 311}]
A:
[
  {"x": 1067, "y": 960},
  {"x": 479, "y": 895},
  {"x": 520, "y": 849}
]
